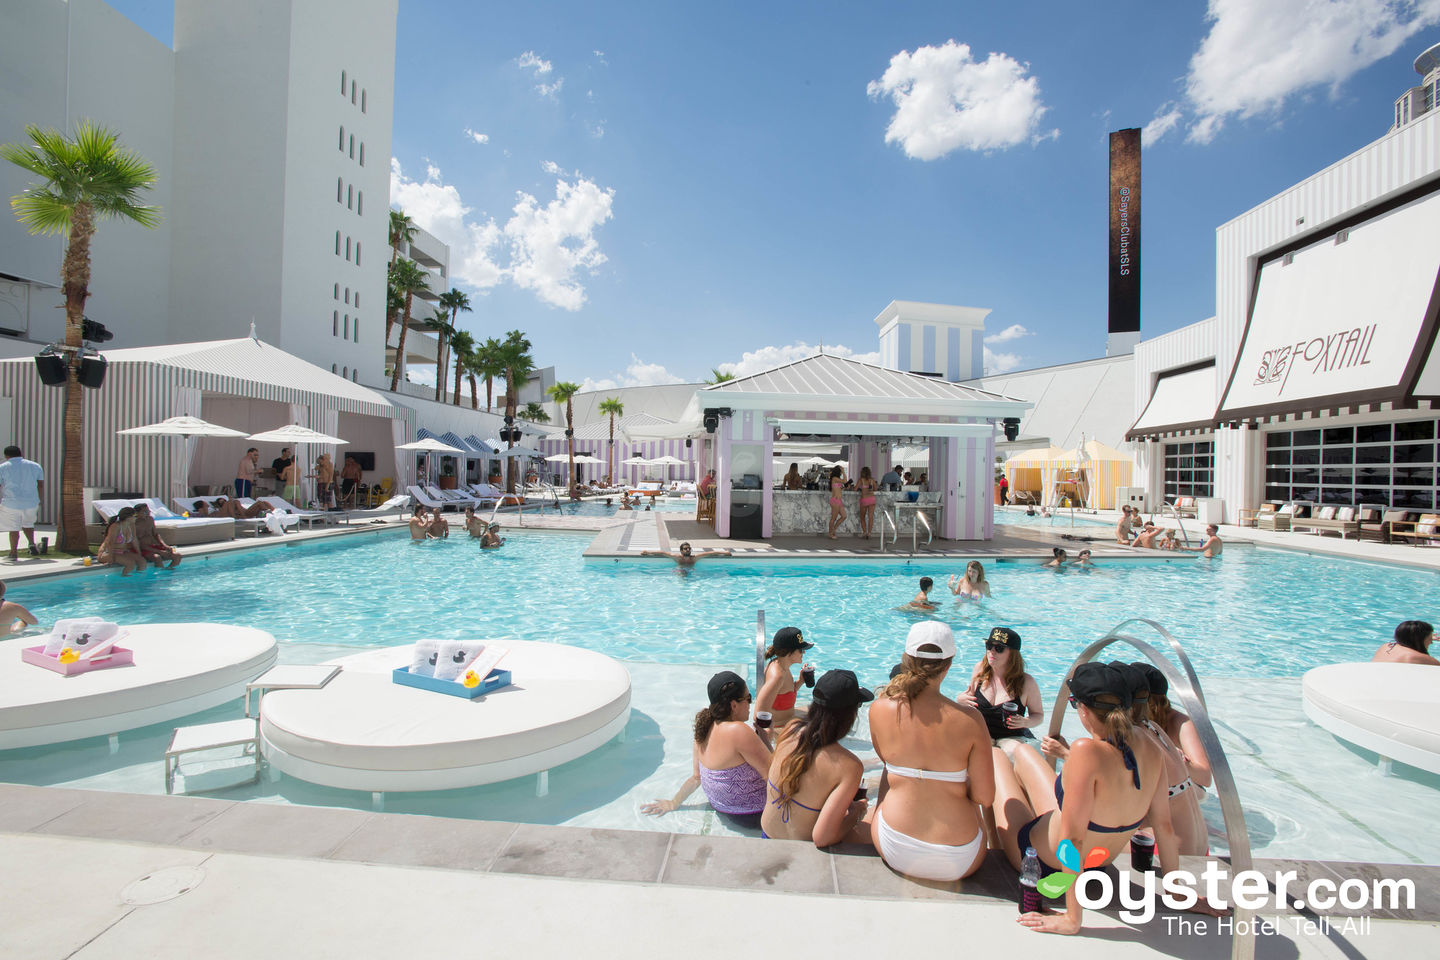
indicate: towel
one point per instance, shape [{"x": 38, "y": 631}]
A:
[
  {"x": 86, "y": 637},
  {"x": 455, "y": 656},
  {"x": 422, "y": 664},
  {"x": 60, "y": 633}
]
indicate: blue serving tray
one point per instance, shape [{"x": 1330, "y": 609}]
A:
[{"x": 455, "y": 688}]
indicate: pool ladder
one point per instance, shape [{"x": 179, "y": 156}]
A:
[
  {"x": 1185, "y": 688},
  {"x": 1166, "y": 507}
]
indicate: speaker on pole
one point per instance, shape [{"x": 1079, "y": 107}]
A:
[
  {"x": 52, "y": 369},
  {"x": 92, "y": 372}
]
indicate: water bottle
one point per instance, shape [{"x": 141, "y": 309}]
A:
[{"x": 1029, "y": 881}]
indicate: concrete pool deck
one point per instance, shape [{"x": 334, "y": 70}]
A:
[{"x": 117, "y": 875}]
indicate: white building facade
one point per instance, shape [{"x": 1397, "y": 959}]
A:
[{"x": 269, "y": 126}]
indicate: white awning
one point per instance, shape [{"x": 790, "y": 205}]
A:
[
  {"x": 1184, "y": 400},
  {"x": 1343, "y": 321},
  {"x": 873, "y": 428}
]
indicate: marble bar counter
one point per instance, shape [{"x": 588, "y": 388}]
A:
[{"x": 808, "y": 511}]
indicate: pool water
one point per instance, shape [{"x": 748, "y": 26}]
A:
[
  {"x": 1252, "y": 622},
  {"x": 598, "y": 508},
  {"x": 1254, "y": 613}
]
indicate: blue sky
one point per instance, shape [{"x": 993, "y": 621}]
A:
[{"x": 650, "y": 190}]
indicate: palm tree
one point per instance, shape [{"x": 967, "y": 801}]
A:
[
  {"x": 716, "y": 376},
  {"x": 490, "y": 364},
  {"x": 463, "y": 345},
  {"x": 454, "y": 301},
  {"x": 440, "y": 323},
  {"x": 394, "y": 302},
  {"x": 82, "y": 180},
  {"x": 564, "y": 392},
  {"x": 515, "y": 356},
  {"x": 535, "y": 412},
  {"x": 402, "y": 230},
  {"x": 408, "y": 279},
  {"x": 614, "y": 408},
  {"x": 471, "y": 360}
]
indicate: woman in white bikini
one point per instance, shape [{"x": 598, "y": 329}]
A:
[{"x": 926, "y": 823}]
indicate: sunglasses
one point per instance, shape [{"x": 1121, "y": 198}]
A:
[
  {"x": 995, "y": 646},
  {"x": 745, "y": 699},
  {"x": 1073, "y": 701}
]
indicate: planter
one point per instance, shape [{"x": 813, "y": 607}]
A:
[{"x": 447, "y": 483}]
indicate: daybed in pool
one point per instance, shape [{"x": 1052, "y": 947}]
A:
[
  {"x": 179, "y": 669},
  {"x": 1390, "y": 708},
  {"x": 364, "y": 732}
]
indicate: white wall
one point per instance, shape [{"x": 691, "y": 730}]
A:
[
  {"x": 1095, "y": 398},
  {"x": 122, "y": 78}
]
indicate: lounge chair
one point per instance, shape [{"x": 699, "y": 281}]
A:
[
  {"x": 1341, "y": 520},
  {"x": 1384, "y": 519},
  {"x": 489, "y": 495},
  {"x": 1186, "y": 507},
  {"x": 177, "y": 531},
  {"x": 186, "y": 505},
  {"x": 1426, "y": 530},
  {"x": 1275, "y": 518},
  {"x": 454, "y": 498},
  {"x": 307, "y": 517}
]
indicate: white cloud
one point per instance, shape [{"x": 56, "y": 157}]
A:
[
  {"x": 1001, "y": 362},
  {"x": 436, "y": 207},
  {"x": 637, "y": 374},
  {"x": 542, "y": 68},
  {"x": 480, "y": 138},
  {"x": 1013, "y": 332},
  {"x": 529, "y": 59},
  {"x": 1260, "y": 54},
  {"x": 766, "y": 358},
  {"x": 947, "y": 101},
  {"x": 550, "y": 245},
  {"x": 1166, "y": 118}
]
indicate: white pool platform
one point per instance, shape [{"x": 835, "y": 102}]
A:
[
  {"x": 364, "y": 732},
  {"x": 1392, "y": 709},
  {"x": 179, "y": 669}
]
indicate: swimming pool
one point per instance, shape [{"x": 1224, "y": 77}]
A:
[
  {"x": 598, "y": 508},
  {"x": 1252, "y": 622},
  {"x": 1254, "y": 613}
]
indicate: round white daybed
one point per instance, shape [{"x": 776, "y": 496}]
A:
[
  {"x": 179, "y": 669},
  {"x": 364, "y": 732},
  {"x": 1390, "y": 708}
]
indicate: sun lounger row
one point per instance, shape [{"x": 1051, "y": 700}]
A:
[{"x": 1366, "y": 522}]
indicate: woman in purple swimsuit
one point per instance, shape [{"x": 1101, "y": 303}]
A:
[{"x": 731, "y": 758}]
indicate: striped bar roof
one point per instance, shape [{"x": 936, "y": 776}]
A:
[{"x": 827, "y": 376}]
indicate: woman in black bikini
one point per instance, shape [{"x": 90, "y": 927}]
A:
[
  {"x": 1115, "y": 779},
  {"x": 1006, "y": 696},
  {"x": 811, "y": 789}
]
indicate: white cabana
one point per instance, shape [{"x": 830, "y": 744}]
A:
[{"x": 247, "y": 385}]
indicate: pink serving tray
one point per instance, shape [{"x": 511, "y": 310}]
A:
[{"x": 117, "y": 657}]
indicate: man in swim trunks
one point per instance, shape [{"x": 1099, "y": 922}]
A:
[
  {"x": 419, "y": 523},
  {"x": 1146, "y": 537},
  {"x": 921, "y": 601},
  {"x": 687, "y": 556}
]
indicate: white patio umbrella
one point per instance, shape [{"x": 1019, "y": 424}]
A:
[
  {"x": 187, "y": 428},
  {"x": 637, "y": 461},
  {"x": 667, "y": 462},
  {"x": 430, "y": 446},
  {"x": 297, "y": 436}
]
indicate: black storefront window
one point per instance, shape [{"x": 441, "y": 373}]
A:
[
  {"x": 1386, "y": 464},
  {"x": 1189, "y": 469}
]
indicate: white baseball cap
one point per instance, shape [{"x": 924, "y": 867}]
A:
[{"x": 931, "y": 633}]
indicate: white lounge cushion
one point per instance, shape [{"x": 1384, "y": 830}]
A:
[
  {"x": 1390, "y": 708},
  {"x": 1345, "y": 514},
  {"x": 363, "y": 721},
  {"x": 1326, "y": 513}
]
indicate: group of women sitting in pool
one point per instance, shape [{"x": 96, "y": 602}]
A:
[{"x": 959, "y": 776}]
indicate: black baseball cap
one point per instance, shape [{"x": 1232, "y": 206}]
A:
[
  {"x": 1006, "y": 636},
  {"x": 725, "y": 686},
  {"x": 896, "y": 670},
  {"x": 1092, "y": 681},
  {"x": 788, "y": 640},
  {"x": 840, "y": 690},
  {"x": 1158, "y": 684},
  {"x": 1139, "y": 683}
]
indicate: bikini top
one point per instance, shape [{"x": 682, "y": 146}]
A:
[
  {"x": 782, "y": 803},
  {"x": 1128, "y": 756},
  {"x": 915, "y": 773},
  {"x": 785, "y": 701},
  {"x": 994, "y": 715}
]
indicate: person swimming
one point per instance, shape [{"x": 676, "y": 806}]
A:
[{"x": 921, "y": 601}]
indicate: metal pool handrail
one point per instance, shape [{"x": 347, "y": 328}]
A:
[
  {"x": 915, "y": 532},
  {"x": 894, "y": 531},
  {"x": 1167, "y": 507},
  {"x": 759, "y": 649},
  {"x": 1185, "y": 687}
]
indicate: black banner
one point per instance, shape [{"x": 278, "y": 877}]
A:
[{"x": 1125, "y": 231}]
